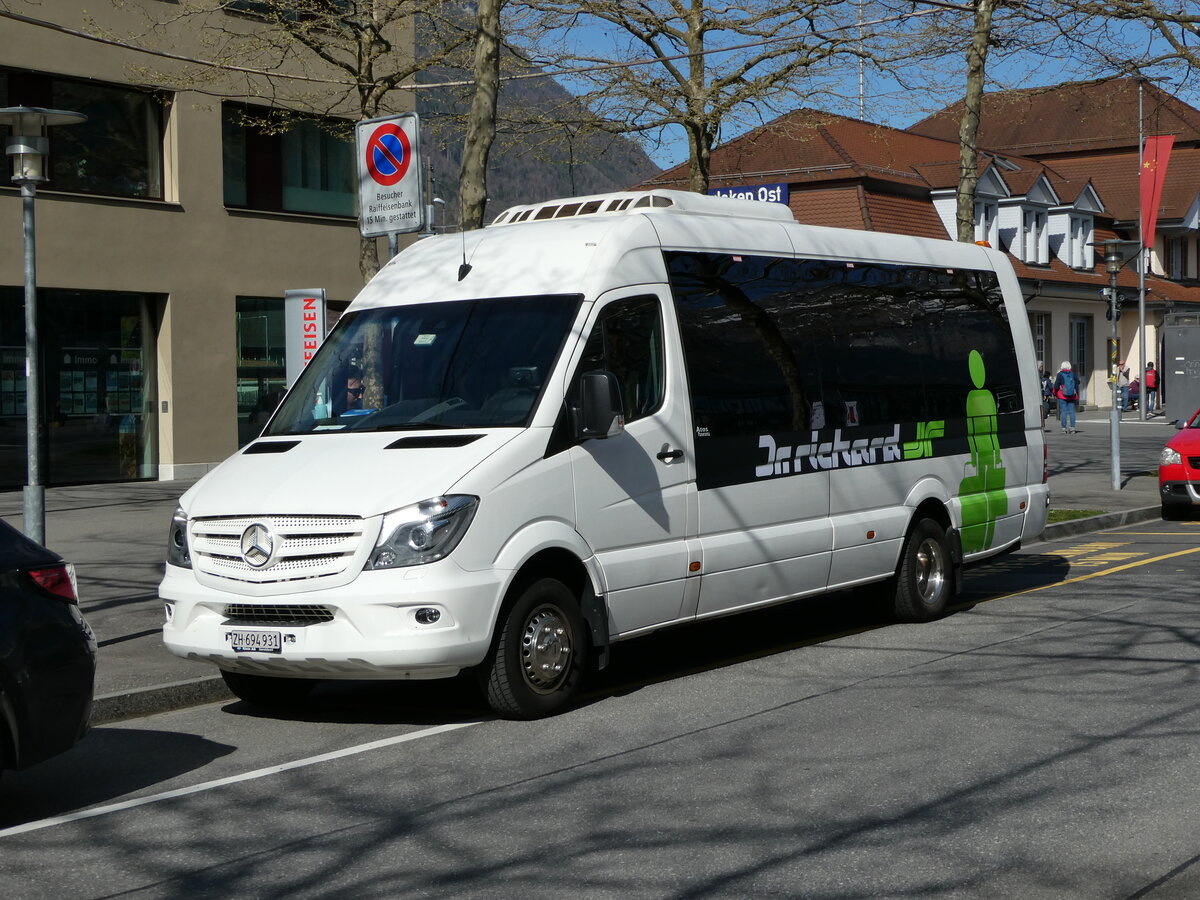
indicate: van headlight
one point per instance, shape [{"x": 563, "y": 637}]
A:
[
  {"x": 422, "y": 533},
  {"x": 1169, "y": 457},
  {"x": 177, "y": 540}
]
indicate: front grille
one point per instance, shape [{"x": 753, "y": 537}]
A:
[
  {"x": 1194, "y": 462},
  {"x": 294, "y": 615},
  {"x": 303, "y": 546}
]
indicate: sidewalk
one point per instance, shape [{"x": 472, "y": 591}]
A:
[{"x": 116, "y": 536}]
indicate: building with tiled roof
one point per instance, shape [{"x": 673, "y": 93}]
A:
[
  {"x": 1047, "y": 213},
  {"x": 1093, "y": 130}
]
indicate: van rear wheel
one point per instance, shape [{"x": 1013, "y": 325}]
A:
[
  {"x": 538, "y": 656},
  {"x": 925, "y": 581},
  {"x": 265, "y": 691}
]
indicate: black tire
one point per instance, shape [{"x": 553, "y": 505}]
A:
[
  {"x": 263, "y": 690},
  {"x": 925, "y": 582},
  {"x": 539, "y": 653},
  {"x": 1173, "y": 513}
]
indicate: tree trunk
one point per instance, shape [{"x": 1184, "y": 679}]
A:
[
  {"x": 699, "y": 158},
  {"x": 968, "y": 131},
  {"x": 481, "y": 121},
  {"x": 368, "y": 258}
]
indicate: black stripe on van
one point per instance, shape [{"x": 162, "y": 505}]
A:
[
  {"x": 270, "y": 447},
  {"x": 427, "y": 441}
]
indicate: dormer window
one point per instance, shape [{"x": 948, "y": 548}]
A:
[
  {"x": 1034, "y": 243},
  {"x": 1079, "y": 239},
  {"x": 987, "y": 214}
]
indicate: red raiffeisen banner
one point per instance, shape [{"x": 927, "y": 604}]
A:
[
  {"x": 388, "y": 151},
  {"x": 303, "y": 328}
]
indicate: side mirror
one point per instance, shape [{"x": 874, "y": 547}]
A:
[
  {"x": 1180, "y": 424},
  {"x": 600, "y": 406}
]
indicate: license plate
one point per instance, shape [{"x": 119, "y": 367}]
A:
[{"x": 255, "y": 641}]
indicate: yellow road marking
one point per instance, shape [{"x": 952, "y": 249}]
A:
[
  {"x": 1094, "y": 547},
  {"x": 1155, "y": 533},
  {"x": 1112, "y": 571}
]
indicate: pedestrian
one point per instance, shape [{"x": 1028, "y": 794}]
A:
[
  {"x": 1066, "y": 389},
  {"x": 1135, "y": 393},
  {"x": 1150, "y": 385},
  {"x": 1047, "y": 391},
  {"x": 1123, "y": 384}
]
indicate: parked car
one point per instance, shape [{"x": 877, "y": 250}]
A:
[
  {"x": 1179, "y": 470},
  {"x": 47, "y": 654}
]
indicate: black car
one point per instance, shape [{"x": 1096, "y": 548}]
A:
[{"x": 47, "y": 654}]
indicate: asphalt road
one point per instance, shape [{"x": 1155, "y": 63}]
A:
[{"x": 1039, "y": 742}]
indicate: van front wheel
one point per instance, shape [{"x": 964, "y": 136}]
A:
[
  {"x": 538, "y": 657},
  {"x": 926, "y": 577}
]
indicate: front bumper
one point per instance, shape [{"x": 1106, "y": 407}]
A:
[
  {"x": 1179, "y": 493},
  {"x": 371, "y": 632}
]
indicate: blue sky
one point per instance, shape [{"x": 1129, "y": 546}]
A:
[{"x": 929, "y": 87}]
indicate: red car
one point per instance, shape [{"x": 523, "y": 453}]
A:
[{"x": 1179, "y": 470}]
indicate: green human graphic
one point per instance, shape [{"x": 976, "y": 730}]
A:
[{"x": 981, "y": 491}]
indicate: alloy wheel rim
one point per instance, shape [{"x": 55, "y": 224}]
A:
[{"x": 930, "y": 570}]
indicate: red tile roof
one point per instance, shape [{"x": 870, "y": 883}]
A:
[
  {"x": 1116, "y": 179},
  {"x": 1071, "y": 118},
  {"x": 812, "y": 146},
  {"x": 848, "y": 173}
]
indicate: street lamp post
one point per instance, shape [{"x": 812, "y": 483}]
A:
[
  {"x": 1114, "y": 260},
  {"x": 1112, "y": 264},
  {"x": 28, "y": 145}
]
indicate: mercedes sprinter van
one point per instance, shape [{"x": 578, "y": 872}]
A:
[{"x": 602, "y": 416}]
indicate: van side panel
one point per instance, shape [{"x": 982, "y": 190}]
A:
[{"x": 831, "y": 397}]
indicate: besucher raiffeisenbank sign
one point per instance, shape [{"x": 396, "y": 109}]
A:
[{"x": 388, "y": 151}]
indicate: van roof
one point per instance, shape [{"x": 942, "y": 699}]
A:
[{"x": 636, "y": 202}]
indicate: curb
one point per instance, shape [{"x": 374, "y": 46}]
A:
[
  {"x": 160, "y": 698},
  {"x": 1098, "y": 523},
  {"x": 120, "y": 705}
]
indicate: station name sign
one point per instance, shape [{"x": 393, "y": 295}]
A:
[{"x": 765, "y": 193}]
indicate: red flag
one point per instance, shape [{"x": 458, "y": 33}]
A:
[{"x": 1150, "y": 181}]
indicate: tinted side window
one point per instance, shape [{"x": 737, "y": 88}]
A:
[
  {"x": 798, "y": 348},
  {"x": 627, "y": 340},
  {"x": 750, "y": 359}
]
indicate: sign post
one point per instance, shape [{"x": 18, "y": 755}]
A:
[{"x": 390, "y": 198}]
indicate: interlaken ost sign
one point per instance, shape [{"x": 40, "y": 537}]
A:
[{"x": 388, "y": 151}]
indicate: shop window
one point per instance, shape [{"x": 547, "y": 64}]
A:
[
  {"x": 98, "y": 386},
  {"x": 261, "y": 363},
  {"x": 285, "y": 164},
  {"x": 117, "y": 152}
]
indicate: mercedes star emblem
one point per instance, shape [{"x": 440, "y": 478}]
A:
[{"x": 258, "y": 545}]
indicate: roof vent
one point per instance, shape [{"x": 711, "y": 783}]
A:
[{"x": 638, "y": 202}]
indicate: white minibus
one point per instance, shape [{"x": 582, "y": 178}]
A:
[{"x": 606, "y": 415}]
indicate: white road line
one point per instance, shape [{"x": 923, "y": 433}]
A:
[{"x": 232, "y": 779}]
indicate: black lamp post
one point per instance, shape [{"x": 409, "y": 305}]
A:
[{"x": 28, "y": 145}]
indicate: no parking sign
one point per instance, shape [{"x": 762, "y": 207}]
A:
[{"x": 389, "y": 175}]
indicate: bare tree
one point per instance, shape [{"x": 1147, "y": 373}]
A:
[
  {"x": 968, "y": 132},
  {"x": 1077, "y": 34},
  {"x": 352, "y": 59},
  {"x": 481, "y": 118},
  {"x": 775, "y": 48}
]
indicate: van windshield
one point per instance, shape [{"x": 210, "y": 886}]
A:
[{"x": 460, "y": 364}]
